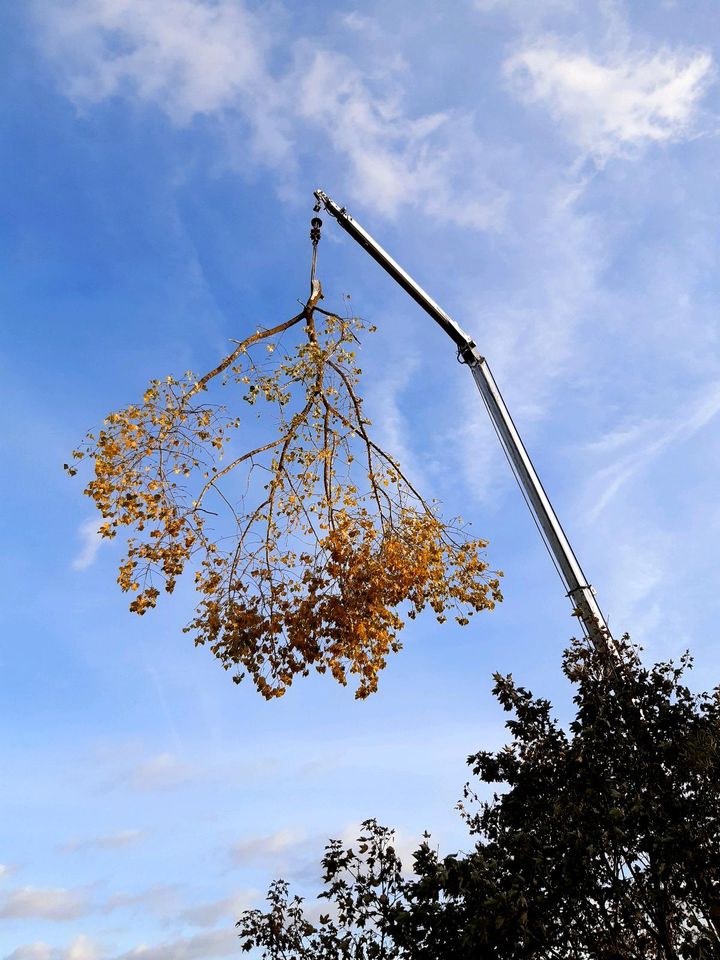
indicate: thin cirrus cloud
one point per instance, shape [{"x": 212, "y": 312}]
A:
[
  {"x": 637, "y": 570},
  {"x": 609, "y": 105},
  {"x": 90, "y": 541},
  {"x": 191, "y": 59},
  {"x": 634, "y": 448},
  {"x": 107, "y": 841}
]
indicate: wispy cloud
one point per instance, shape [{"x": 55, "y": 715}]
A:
[
  {"x": 160, "y": 899},
  {"x": 192, "y": 59},
  {"x": 394, "y": 159},
  {"x": 531, "y": 334},
  {"x": 635, "y": 447},
  {"x": 62, "y": 904},
  {"x": 391, "y": 428},
  {"x": 161, "y": 772},
  {"x": 403, "y": 844},
  {"x": 216, "y": 943},
  {"x": 81, "y": 948},
  {"x": 633, "y": 586},
  {"x": 33, "y": 951},
  {"x": 228, "y": 908},
  {"x": 90, "y": 541},
  {"x": 267, "y": 847},
  {"x": 525, "y": 8},
  {"x": 650, "y": 538},
  {"x": 609, "y": 104},
  {"x": 43, "y": 903},
  {"x": 189, "y": 57},
  {"x": 107, "y": 841}
]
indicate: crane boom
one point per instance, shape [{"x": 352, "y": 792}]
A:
[{"x": 578, "y": 589}]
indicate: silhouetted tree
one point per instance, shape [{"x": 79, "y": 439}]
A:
[{"x": 604, "y": 844}]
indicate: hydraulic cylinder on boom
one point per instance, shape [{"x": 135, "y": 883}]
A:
[{"x": 579, "y": 591}]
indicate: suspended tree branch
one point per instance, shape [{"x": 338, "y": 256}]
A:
[{"x": 309, "y": 570}]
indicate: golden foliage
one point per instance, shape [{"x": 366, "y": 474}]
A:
[{"x": 312, "y": 574}]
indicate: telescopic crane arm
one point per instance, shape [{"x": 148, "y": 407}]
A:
[{"x": 578, "y": 589}]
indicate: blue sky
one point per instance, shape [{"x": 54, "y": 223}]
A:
[{"x": 549, "y": 172}]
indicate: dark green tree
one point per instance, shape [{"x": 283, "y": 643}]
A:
[{"x": 604, "y": 843}]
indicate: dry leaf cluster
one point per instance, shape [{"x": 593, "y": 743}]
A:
[{"x": 311, "y": 574}]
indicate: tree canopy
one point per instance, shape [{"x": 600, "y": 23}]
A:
[
  {"x": 604, "y": 843},
  {"x": 309, "y": 569}
]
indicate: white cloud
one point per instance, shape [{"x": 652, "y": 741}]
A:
[
  {"x": 357, "y": 21},
  {"x": 108, "y": 841},
  {"x": 33, "y": 951},
  {"x": 267, "y": 847},
  {"x": 523, "y": 7},
  {"x": 390, "y": 426},
  {"x": 395, "y": 160},
  {"x": 191, "y": 58},
  {"x": 83, "y": 948},
  {"x": 217, "y": 943},
  {"x": 402, "y": 843},
  {"x": 187, "y": 57},
  {"x": 633, "y": 584},
  {"x": 611, "y": 104},
  {"x": 90, "y": 540},
  {"x": 160, "y": 899},
  {"x": 162, "y": 772},
  {"x": 208, "y": 914},
  {"x": 43, "y": 904}
]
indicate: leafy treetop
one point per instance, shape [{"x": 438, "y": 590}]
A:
[{"x": 603, "y": 845}]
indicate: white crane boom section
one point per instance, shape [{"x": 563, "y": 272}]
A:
[{"x": 578, "y": 589}]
